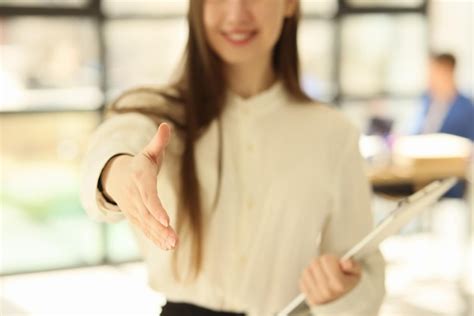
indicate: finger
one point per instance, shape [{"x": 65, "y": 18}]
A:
[
  {"x": 156, "y": 231},
  {"x": 145, "y": 180},
  {"x": 158, "y": 143},
  {"x": 351, "y": 267},
  {"x": 137, "y": 223},
  {"x": 166, "y": 234},
  {"x": 309, "y": 282},
  {"x": 134, "y": 220},
  {"x": 147, "y": 187},
  {"x": 320, "y": 279},
  {"x": 307, "y": 292},
  {"x": 334, "y": 274},
  {"x": 167, "y": 129}
]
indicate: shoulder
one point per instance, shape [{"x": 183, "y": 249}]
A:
[
  {"x": 327, "y": 119},
  {"x": 157, "y": 102},
  {"x": 465, "y": 102},
  {"x": 146, "y": 95}
]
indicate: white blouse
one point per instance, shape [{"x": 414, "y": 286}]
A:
[{"x": 293, "y": 187}]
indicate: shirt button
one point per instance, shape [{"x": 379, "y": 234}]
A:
[
  {"x": 242, "y": 259},
  {"x": 250, "y": 147},
  {"x": 250, "y": 204}
]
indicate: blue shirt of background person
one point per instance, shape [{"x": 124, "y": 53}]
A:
[
  {"x": 444, "y": 108},
  {"x": 458, "y": 119}
]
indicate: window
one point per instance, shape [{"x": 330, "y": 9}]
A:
[
  {"x": 383, "y": 54},
  {"x": 143, "y": 52},
  {"x": 42, "y": 219},
  {"x": 145, "y": 7},
  {"x": 49, "y": 64},
  {"x": 327, "y": 8},
  {"x": 402, "y": 112},
  {"x": 316, "y": 57},
  {"x": 44, "y": 3},
  {"x": 385, "y": 3},
  {"x": 457, "y": 38}
]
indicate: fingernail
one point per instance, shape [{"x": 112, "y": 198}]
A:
[
  {"x": 348, "y": 266},
  {"x": 171, "y": 242},
  {"x": 163, "y": 221}
]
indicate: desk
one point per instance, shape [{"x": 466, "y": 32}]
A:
[
  {"x": 417, "y": 160},
  {"x": 421, "y": 171}
]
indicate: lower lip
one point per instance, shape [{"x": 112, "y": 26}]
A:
[{"x": 242, "y": 42}]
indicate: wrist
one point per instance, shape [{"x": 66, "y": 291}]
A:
[{"x": 112, "y": 174}]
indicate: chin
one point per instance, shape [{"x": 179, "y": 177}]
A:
[
  {"x": 238, "y": 59},
  {"x": 235, "y": 61}
]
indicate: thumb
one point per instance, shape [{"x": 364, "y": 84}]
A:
[
  {"x": 155, "y": 148},
  {"x": 351, "y": 267}
]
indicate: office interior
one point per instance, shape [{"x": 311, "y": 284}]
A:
[{"x": 62, "y": 61}]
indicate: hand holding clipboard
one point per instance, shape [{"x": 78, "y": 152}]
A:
[{"x": 406, "y": 210}]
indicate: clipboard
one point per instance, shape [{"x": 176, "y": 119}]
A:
[{"x": 406, "y": 210}]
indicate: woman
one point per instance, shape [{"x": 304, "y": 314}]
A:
[{"x": 261, "y": 190}]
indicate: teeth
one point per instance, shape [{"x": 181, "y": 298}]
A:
[{"x": 239, "y": 36}]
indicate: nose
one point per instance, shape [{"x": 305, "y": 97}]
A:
[{"x": 238, "y": 11}]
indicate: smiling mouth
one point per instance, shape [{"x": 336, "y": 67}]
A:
[{"x": 239, "y": 38}]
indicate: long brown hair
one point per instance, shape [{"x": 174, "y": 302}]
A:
[{"x": 201, "y": 89}]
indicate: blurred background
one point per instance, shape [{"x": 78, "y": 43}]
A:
[{"x": 63, "y": 60}]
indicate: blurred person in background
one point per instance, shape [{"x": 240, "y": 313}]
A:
[
  {"x": 444, "y": 109},
  {"x": 261, "y": 191}
]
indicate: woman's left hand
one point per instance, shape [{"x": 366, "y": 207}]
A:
[{"x": 327, "y": 279}]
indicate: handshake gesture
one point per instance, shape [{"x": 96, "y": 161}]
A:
[{"x": 131, "y": 181}]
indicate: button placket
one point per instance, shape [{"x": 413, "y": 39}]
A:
[
  {"x": 251, "y": 147},
  {"x": 248, "y": 176}
]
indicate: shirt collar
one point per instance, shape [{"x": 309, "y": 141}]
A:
[{"x": 265, "y": 101}]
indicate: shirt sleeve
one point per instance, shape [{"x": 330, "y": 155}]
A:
[
  {"x": 349, "y": 222},
  {"x": 121, "y": 134}
]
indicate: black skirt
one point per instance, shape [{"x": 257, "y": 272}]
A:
[{"x": 184, "y": 309}]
